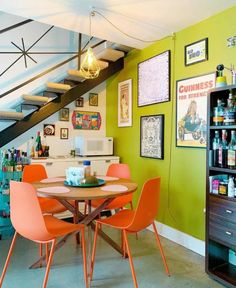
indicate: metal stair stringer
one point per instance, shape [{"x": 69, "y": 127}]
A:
[{"x": 52, "y": 107}]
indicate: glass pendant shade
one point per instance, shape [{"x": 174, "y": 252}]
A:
[{"x": 90, "y": 67}]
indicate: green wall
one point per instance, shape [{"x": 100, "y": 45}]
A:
[{"x": 183, "y": 169}]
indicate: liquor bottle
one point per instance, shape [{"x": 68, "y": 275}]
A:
[
  {"x": 32, "y": 150},
  {"x": 215, "y": 148},
  {"x": 218, "y": 115},
  {"x": 5, "y": 162},
  {"x": 38, "y": 147},
  {"x": 231, "y": 187},
  {"x": 229, "y": 113},
  {"x": 223, "y": 147},
  {"x": 232, "y": 151},
  {"x": 12, "y": 162}
]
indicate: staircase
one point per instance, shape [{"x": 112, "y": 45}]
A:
[{"x": 57, "y": 96}]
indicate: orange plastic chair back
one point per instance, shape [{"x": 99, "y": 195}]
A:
[
  {"x": 119, "y": 170},
  {"x": 26, "y": 214},
  {"x": 34, "y": 172},
  {"x": 147, "y": 207}
]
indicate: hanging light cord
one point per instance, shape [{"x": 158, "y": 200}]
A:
[{"x": 117, "y": 28}]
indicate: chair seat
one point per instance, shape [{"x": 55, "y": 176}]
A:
[
  {"x": 58, "y": 227},
  {"x": 120, "y": 220}
]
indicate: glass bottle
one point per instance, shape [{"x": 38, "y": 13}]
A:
[
  {"x": 215, "y": 147},
  {"x": 231, "y": 161},
  {"x": 32, "y": 151},
  {"x": 87, "y": 168},
  {"x": 218, "y": 113},
  {"x": 5, "y": 163},
  {"x": 229, "y": 113},
  {"x": 231, "y": 187},
  {"x": 38, "y": 148},
  {"x": 223, "y": 147}
]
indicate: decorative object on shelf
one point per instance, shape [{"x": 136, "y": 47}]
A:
[
  {"x": 125, "y": 103},
  {"x": 79, "y": 102},
  {"x": 191, "y": 110},
  {"x": 90, "y": 67},
  {"x": 86, "y": 120},
  {"x": 154, "y": 80},
  {"x": 93, "y": 99},
  {"x": 48, "y": 129},
  {"x": 196, "y": 52},
  {"x": 220, "y": 79},
  {"x": 64, "y": 114},
  {"x": 152, "y": 136},
  {"x": 64, "y": 133},
  {"x": 231, "y": 41}
]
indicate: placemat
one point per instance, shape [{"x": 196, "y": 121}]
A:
[
  {"x": 115, "y": 188},
  {"x": 107, "y": 178},
  {"x": 51, "y": 180},
  {"x": 55, "y": 189}
]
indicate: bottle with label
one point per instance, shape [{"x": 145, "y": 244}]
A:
[
  {"x": 87, "y": 168},
  {"x": 38, "y": 148},
  {"x": 5, "y": 163},
  {"x": 215, "y": 147},
  {"x": 232, "y": 151},
  {"x": 223, "y": 151},
  {"x": 229, "y": 113},
  {"x": 6, "y": 188},
  {"x": 231, "y": 187},
  {"x": 32, "y": 150},
  {"x": 218, "y": 115}
]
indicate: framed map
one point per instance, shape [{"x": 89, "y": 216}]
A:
[
  {"x": 152, "y": 136},
  {"x": 154, "y": 80}
]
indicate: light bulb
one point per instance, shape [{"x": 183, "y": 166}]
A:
[{"x": 90, "y": 67}]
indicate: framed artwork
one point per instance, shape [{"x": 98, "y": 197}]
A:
[
  {"x": 48, "y": 129},
  {"x": 79, "y": 102},
  {"x": 93, "y": 99},
  {"x": 191, "y": 110},
  {"x": 86, "y": 120},
  {"x": 196, "y": 52},
  {"x": 64, "y": 133},
  {"x": 64, "y": 114},
  {"x": 154, "y": 80},
  {"x": 152, "y": 136},
  {"x": 125, "y": 103}
]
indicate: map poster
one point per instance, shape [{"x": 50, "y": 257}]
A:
[{"x": 86, "y": 120}]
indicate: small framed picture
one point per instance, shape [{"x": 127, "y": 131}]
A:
[
  {"x": 196, "y": 52},
  {"x": 125, "y": 103},
  {"x": 49, "y": 130},
  {"x": 64, "y": 114},
  {"x": 64, "y": 133},
  {"x": 93, "y": 99},
  {"x": 79, "y": 102}
]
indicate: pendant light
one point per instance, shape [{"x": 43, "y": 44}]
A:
[{"x": 90, "y": 67}]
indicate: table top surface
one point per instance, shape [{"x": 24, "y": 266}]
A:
[{"x": 82, "y": 193}]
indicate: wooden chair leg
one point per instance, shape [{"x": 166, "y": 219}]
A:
[
  {"x": 84, "y": 258},
  {"x": 130, "y": 260},
  {"x": 49, "y": 262},
  {"x": 94, "y": 249},
  {"x": 8, "y": 258},
  {"x": 161, "y": 249},
  {"x": 85, "y": 208},
  {"x": 131, "y": 205}
]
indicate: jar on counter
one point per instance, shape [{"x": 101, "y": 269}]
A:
[
  {"x": 223, "y": 188},
  {"x": 87, "y": 168}
]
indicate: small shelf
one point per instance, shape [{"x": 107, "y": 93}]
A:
[
  {"x": 224, "y": 127},
  {"x": 227, "y": 272},
  {"x": 223, "y": 197},
  {"x": 224, "y": 170}
]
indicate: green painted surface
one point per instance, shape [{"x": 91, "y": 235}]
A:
[{"x": 183, "y": 169}]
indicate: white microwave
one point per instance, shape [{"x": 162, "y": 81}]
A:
[{"x": 93, "y": 146}]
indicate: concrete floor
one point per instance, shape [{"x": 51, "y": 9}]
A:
[{"x": 111, "y": 270}]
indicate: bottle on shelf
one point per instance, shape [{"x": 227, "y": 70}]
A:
[
  {"x": 231, "y": 161},
  {"x": 223, "y": 150},
  {"x": 5, "y": 162},
  {"x": 229, "y": 112},
  {"x": 218, "y": 114},
  {"x": 38, "y": 148},
  {"x": 32, "y": 150},
  {"x": 231, "y": 187},
  {"x": 215, "y": 147}
]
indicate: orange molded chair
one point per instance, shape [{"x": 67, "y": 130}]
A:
[
  {"x": 28, "y": 221},
  {"x": 37, "y": 172},
  {"x": 132, "y": 221},
  {"x": 120, "y": 171}
]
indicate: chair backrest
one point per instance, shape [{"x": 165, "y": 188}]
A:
[
  {"x": 26, "y": 215},
  {"x": 120, "y": 170},
  {"x": 147, "y": 207},
  {"x": 34, "y": 172}
]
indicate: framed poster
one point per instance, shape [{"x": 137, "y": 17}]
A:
[
  {"x": 154, "y": 80},
  {"x": 86, "y": 120},
  {"x": 64, "y": 114},
  {"x": 191, "y": 110},
  {"x": 125, "y": 103},
  {"x": 196, "y": 52},
  {"x": 152, "y": 136},
  {"x": 93, "y": 99}
]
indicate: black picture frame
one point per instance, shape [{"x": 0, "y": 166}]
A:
[
  {"x": 152, "y": 136},
  {"x": 154, "y": 79},
  {"x": 196, "y": 52},
  {"x": 64, "y": 133},
  {"x": 79, "y": 102},
  {"x": 49, "y": 129}
]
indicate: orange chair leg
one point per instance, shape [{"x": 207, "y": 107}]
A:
[
  {"x": 8, "y": 258},
  {"x": 130, "y": 260},
  {"x": 161, "y": 249},
  {"x": 94, "y": 250},
  {"x": 49, "y": 262},
  {"x": 84, "y": 257},
  {"x": 40, "y": 252},
  {"x": 47, "y": 252},
  {"x": 123, "y": 243}
]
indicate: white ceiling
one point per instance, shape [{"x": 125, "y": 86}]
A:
[{"x": 148, "y": 20}]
